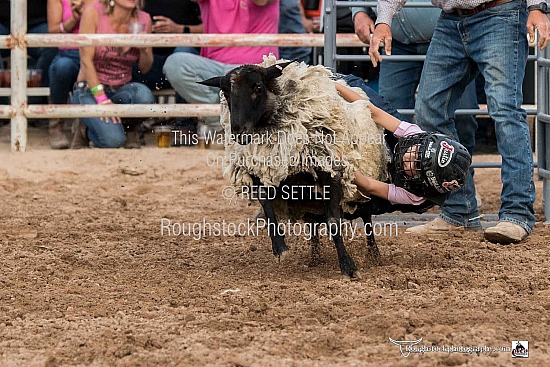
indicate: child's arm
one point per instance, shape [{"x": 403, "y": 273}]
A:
[
  {"x": 379, "y": 116},
  {"x": 390, "y": 192},
  {"x": 371, "y": 186}
]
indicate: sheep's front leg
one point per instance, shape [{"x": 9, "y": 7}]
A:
[
  {"x": 278, "y": 243},
  {"x": 334, "y": 219},
  {"x": 373, "y": 254}
]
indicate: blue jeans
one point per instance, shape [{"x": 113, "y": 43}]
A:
[
  {"x": 184, "y": 70},
  {"x": 399, "y": 79},
  {"x": 107, "y": 134},
  {"x": 492, "y": 42},
  {"x": 63, "y": 73}
]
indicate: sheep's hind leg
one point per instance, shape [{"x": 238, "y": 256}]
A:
[{"x": 315, "y": 250}]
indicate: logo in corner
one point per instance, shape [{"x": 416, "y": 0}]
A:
[
  {"x": 404, "y": 345},
  {"x": 520, "y": 349},
  {"x": 445, "y": 154}
]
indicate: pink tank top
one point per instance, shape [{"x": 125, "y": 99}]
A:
[
  {"x": 239, "y": 16},
  {"x": 113, "y": 67},
  {"x": 68, "y": 14}
]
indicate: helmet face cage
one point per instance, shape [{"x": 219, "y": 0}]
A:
[
  {"x": 408, "y": 153},
  {"x": 431, "y": 162}
]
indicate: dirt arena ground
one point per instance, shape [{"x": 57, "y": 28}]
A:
[{"x": 87, "y": 278}]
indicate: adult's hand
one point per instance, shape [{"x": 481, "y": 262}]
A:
[
  {"x": 364, "y": 27},
  {"x": 381, "y": 35},
  {"x": 539, "y": 21},
  {"x": 163, "y": 24},
  {"x": 115, "y": 119}
]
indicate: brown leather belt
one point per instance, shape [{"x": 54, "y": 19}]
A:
[{"x": 479, "y": 8}]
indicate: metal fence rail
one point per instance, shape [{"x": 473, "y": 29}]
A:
[
  {"x": 18, "y": 41},
  {"x": 543, "y": 128}
]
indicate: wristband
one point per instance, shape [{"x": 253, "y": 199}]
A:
[
  {"x": 97, "y": 88},
  {"x": 62, "y": 28},
  {"x": 101, "y": 98}
]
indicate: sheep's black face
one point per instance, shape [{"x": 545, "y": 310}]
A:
[
  {"x": 250, "y": 92},
  {"x": 249, "y": 104}
]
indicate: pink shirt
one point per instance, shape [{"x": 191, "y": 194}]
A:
[
  {"x": 398, "y": 195},
  {"x": 68, "y": 14},
  {"x": 111, "y": 66},
  {"x": 239, "y": 16}
]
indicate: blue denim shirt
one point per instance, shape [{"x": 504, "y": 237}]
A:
[{"x": 411, "y": 25}]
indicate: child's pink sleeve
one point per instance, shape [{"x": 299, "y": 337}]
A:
[
  {"x": 398, "y": 195},
  {"x": 405, "y": 129}
]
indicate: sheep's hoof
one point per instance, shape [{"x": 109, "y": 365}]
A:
[
  {"x": 354, "y": 276},
  {"x": 282, "y": 257},
  {"x": 280, "y": 249}
]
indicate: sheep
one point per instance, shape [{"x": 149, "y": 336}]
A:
[{"x": 289, "y": 110}]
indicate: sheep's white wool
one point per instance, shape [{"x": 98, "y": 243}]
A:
[{"x": 319, "y": 130}]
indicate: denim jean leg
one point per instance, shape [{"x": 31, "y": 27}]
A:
[
  {"x": 102, "y": 134},
  {"x": 446, "y": 73},
  {"x": 63, "y": 73},
  {"x": 504, "y": 28},
  {"x": 132, "y": 93},
  {"x": 466, "y": 127},
  {"x": 184, "y": 70},
  {"x": 399, "y": 79},
  {"x": 41, "y": 56},
  {"x": 188, "y": 49}
]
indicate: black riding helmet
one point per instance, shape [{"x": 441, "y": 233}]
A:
[{"x": 430, "y": 165}]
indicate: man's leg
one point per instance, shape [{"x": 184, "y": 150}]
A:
[
  {"x": 184, "y": 70},
  {"x": 399, "y": 79},
  {"x": 447, "y": 72},
  {"x": 495, "y": 31}
]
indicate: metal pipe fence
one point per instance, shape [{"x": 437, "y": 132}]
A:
[
  {"x": 543, "y": 128},
  {"x": 18, "y": 41}
]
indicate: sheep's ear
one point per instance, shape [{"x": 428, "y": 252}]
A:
[
  {"x": 276, "y": 71},
  {"x": 217, "y": 82}
]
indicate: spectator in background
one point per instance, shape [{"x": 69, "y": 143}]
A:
[
  {"x": 39, "y": 57},
  {"x": 292, "y": 20},
  {"x": 169, "y": 16},
  {"x": 184, "y": 70},
  {"x": 106, "y": 72},
  {"x": 63, "y": 17}
]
